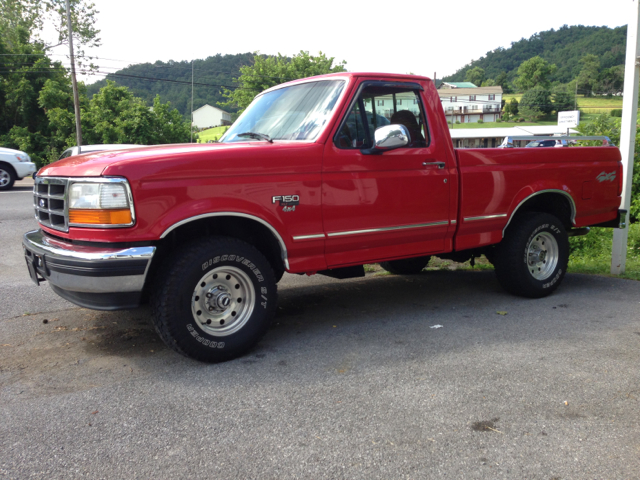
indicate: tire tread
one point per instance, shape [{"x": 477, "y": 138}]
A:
[
  {"x": 168, "y": 279},
  {"x": 509, "y": 252}
]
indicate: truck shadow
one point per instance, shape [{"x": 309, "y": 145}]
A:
[
  {"x": 384, "y": 312},
  {"x": 436, "y": 311},
  {"x": 124, "y": 334},
  {"x": 27, "y": 188}
]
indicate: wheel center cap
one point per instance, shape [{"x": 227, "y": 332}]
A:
[
  {"x": 218, "y": 298},
  {"x": 223, "y": 300}
]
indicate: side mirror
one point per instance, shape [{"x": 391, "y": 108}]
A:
[{"x": 388, "y": 137}]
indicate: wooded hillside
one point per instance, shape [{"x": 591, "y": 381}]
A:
[
  {"x": 563, "y": 47},
  {"x": 172, "y": 80}
]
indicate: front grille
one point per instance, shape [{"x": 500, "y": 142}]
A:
[{"x": 50, "y": 202}]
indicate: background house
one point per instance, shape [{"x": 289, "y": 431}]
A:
[
  {"x": 446, "y": 85},
  {"x": 468, "y": 105},
  {"x": 208, "y": 116}
]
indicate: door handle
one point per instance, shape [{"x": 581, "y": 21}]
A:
[{"x": 440, "y": 165}]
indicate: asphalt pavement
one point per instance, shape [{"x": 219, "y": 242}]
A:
[{"x": 440, "y": 375}]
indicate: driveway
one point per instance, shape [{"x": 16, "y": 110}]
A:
[{"x": 438, "y": 375}]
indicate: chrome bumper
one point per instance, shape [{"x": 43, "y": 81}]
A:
[{"x": 93, "y": 277}]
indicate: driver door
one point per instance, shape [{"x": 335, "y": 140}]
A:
[{"x": 393, "y": 205}]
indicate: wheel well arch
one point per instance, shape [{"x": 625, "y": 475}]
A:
[
  {"x": 248, "y": 228},
  {"x": 7, "y": 164},
  {"x": 555, "y": 202}
]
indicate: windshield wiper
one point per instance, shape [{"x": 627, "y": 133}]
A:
[{"x": 257, "y": 136}]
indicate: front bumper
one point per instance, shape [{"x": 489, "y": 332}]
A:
[
  {"x": 100, "y": 278},
  {"x": 24, "y": 169}
]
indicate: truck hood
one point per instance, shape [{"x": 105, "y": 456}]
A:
[{"x": 149, "y": 160}]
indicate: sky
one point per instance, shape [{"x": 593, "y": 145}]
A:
[{"x": 413, "y": 36}]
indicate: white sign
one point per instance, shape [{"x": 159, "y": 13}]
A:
[{"x": 569, "y": 119}]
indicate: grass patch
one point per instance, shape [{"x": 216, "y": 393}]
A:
[
  {"x": 592, "y": 105},
  {"x": 591, "y": 253},
  {"x": 211, "y": 134}
]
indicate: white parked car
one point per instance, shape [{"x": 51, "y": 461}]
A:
[{"x": 14, "y": 165}]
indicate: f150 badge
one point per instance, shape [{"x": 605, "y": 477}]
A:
[
  {"x": 287, "y": 202},
  {"x": 604, "y": 177}
]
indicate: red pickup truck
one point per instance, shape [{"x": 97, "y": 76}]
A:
[{"x": 320, "y": 175}]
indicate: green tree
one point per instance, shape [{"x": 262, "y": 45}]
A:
[
  {"x": 267, "y": 72},
  {"x": 611, "y": 80},
  {"x": 502, "y": 80},
  {"x": 34, "y": 16},
  {"x": 25, "y": 70},
  {"x": 115, "y": 115},
  {"x": 564, "y": 98},
  {"x": 512, "y": 107},
  {"x": 489, "y": 82},
  {"x": 535, "y": 72},
  {"x": 535, "y": 103},
  {"x": 588, "y": 77},
  {"x": 475, "y": 76}
]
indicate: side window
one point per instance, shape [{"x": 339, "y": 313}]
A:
[
  {"x": 352, "y": 134},
  {"x": 376, "y": 107}
]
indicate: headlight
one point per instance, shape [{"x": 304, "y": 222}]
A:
[
  {"x": 22, "y": 157},
  {"x": 104, "y": 202}
]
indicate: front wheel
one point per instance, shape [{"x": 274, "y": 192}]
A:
[
  {"x": 215, "y": 301},
  {"x": 532, "y": 259},
  {"x": 7, "y": 178}
]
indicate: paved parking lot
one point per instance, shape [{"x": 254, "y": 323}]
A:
[{"x": 352, "y": 381}]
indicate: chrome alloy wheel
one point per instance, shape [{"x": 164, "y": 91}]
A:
[
  {"x": 5, "y": 178},
  {"x": 223, "y": 301},
  {"x": 542, "y": 256}
]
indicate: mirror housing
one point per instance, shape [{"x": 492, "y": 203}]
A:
[{"x": 388, "y": 137}]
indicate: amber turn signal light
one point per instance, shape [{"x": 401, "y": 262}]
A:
[{"x": 100, "y": 217}]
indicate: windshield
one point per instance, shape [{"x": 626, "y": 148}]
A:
[{"x": 298, "y": 112}]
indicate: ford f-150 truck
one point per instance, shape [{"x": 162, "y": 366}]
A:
[{"x": 319, "y": 175}]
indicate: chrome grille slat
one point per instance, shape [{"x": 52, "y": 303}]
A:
[{"x": 45, "y": 191}]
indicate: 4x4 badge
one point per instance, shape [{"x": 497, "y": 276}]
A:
[
  {"x": 604, "y": 177},
  {"x": 287, "y": 202}
]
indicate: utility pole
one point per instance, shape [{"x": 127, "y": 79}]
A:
[
  {"x": 74, "y": 83},
  {"x": 628, "y": 129}
]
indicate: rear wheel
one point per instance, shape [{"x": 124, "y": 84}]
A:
[
  {"x": 532, "y": 259},
  {"x": 407, "y": 266},
  {"x": 215, "y": 301},
  {"x": 7, "y": 177}
]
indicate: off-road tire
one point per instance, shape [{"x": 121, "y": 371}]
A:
[
  {"x": 199, "y": 285},
  {"x": 407, "y": 266},
  {"x": 531, "y": 260},
  {"x": 7, "y": 177}
]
